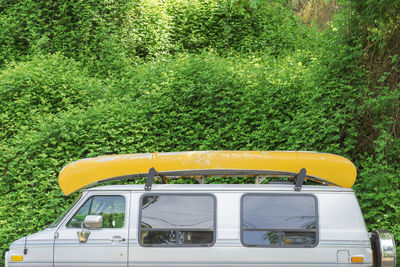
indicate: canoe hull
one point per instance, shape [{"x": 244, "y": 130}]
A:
[{"x": 331, "y": 168}]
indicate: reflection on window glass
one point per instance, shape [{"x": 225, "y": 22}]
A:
[
  {"x": 177, "y": 220},
  {"x": 295, "y": 238},
  {"x": 266, "y": 238},
  {"x": 195, "y": 237},
  {"x": 159, "y": 237},
  {"x": 79, "y": 217},
  {"x": 111, "y": 208},
  {"x": 279, "y": 220},
  {"x": 176, "y": 212}
]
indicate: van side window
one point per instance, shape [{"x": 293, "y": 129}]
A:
[
  {"x": 279, "y": 220},
  {"x": 112, "y": 208},
  {"x": 177, "y": 220}
]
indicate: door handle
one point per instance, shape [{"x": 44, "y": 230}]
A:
[{"x": 116, "y": 239}]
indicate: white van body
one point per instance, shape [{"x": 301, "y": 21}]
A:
[{"x": 339, "y": 232}]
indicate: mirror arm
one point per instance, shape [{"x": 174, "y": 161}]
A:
[{"x": 83, "y": 235}]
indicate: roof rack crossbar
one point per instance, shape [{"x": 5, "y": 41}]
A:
[
  {"x": 299, "y": 179},
  {"x": 202, "y": 179},
  {"x": 259, "y": 180},
  {"x": 150, "y": 179}
]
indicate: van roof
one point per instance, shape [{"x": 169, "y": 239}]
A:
[{"x": 219, "y": 187}]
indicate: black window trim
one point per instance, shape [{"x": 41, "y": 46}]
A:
[
  {"x": 84, "y": 202},
  {"x": 280, "y": 230},
  {"x": 162, "y": 229}
]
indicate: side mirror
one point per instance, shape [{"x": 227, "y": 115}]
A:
[{"x": 91, "y": 221}]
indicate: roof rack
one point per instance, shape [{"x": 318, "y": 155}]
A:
[{"x": 299, "y": 177}]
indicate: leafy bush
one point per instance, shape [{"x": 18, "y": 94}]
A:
[
  {"x": 147, "y": 29},
  {"x": 84, "y": 30},
  {"x": 369, "y": 64},
  {"x": 108, "y": 35},
  {"x": 378, "y": 192},
  {"x": 45, "y": 85},
  {"x": 241, "y": 26}
]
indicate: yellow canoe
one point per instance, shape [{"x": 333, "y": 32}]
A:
[{"x": 323, "y": 167}]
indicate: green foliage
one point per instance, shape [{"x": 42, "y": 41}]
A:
[
  {"x": 370, "y": 53},
  {"x": 147, "y": 29},
  {"x": 242, "y": 26},
  {"x": 379, "y": 195},
  {"x": 83, "y": 30},
  {"x": 45, "y": 85},
  {"x": 108, "y": 35}
]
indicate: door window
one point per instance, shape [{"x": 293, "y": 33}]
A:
[
  {"x": 177, "y": 220},
  {"x": 111, "y": 208}
]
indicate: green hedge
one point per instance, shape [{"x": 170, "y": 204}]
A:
[
  {"x": 242, "y": 26},
  {"x": 84, "y": 30},
  {"x": 45, "y": 85},
  {"x": 109, "y": 35}
]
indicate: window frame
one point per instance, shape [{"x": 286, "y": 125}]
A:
[
  {"x": 181, "y": 230},
  {"x": 242, "y": 229},
  {"x": 93, "y": 196}
]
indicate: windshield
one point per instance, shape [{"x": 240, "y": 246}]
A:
[{"x": 59, "y": 218}]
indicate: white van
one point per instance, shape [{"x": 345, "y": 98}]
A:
[{"x": 275, "y": 224}]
